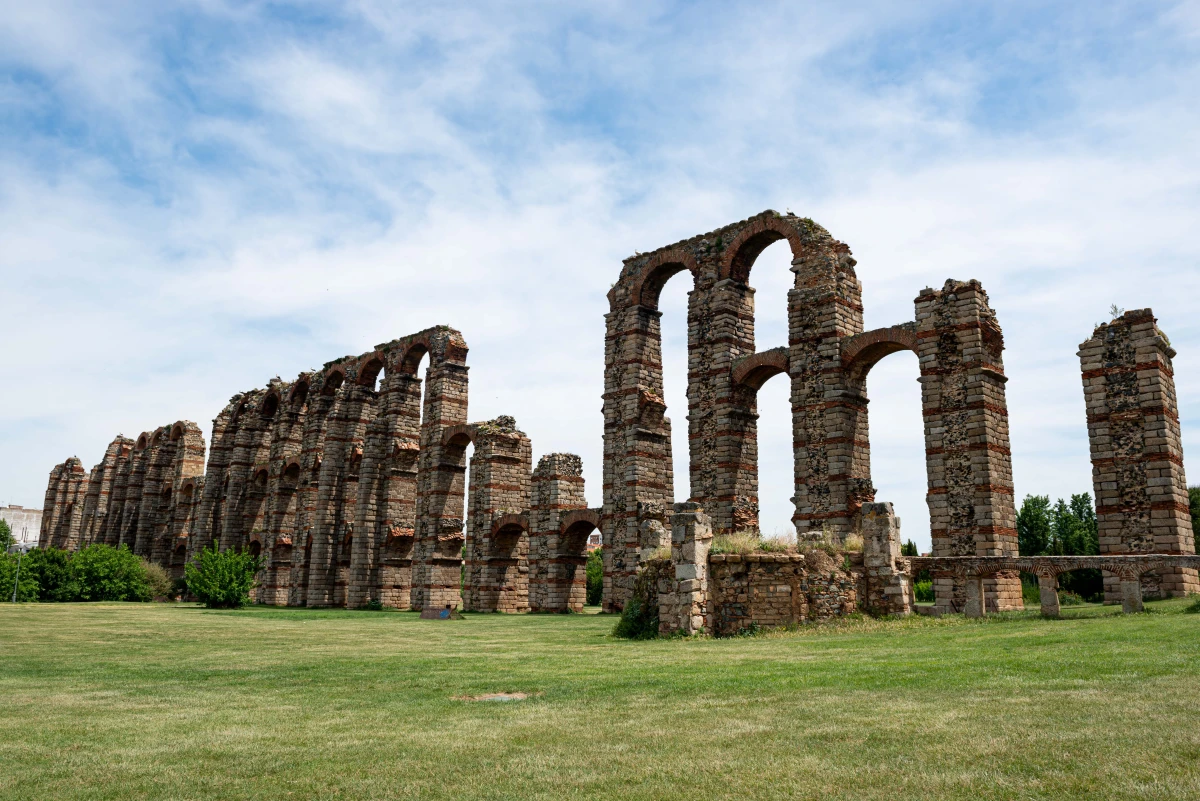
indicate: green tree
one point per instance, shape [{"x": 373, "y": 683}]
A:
[
  {"x": 1194, "y": 505},
  {"x": 28, "y": 589},
  {"x": 7, "y": 540},
  {"x": 55, "y": 576},
  {"x": 104, "y": 573},
  {"x": 595, "y": 577},
  {"x": 909, "y": 548},
  {"x": 1033, "y": 525},
  {"x": 223, "y": 579}
]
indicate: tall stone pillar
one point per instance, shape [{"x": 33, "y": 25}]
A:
[
  {"x": 497, "y": 531},
  {"x": 1137, "y": 453},
  {"x": 559, "y": 525},
  {"x": 437, "y": 552},
  {"x": 969, "y": 463}
]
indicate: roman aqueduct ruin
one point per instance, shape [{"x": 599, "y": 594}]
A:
[{"x": 351, "y": 480}]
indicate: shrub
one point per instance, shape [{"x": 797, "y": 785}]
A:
[
  {"x": 7, "y": 540},
  {"x": 158, "y": 579},
  {"x": 1069, "y": 599},
  {"x": 639, "y": 621},
  {"x": 639, "y": 618},
  {"x": 28, "y": 586},
  {"x": 223, "y": 579},
  {"x": 104, "y": 573},
  {"x": 1192, "y": 608},
  {"x": 595, "y": 577},
  {"x": 52, "y": 569},
  {"x": 924, "y": 592},
  {"x": 853, "y": 543}
]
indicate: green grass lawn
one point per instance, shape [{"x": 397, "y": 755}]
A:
[{"x": 157, "y": 701}]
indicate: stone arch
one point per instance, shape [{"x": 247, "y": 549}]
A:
[
  {"x": 577, "y": 518},
  {"x": 413, "y": 354},
  {"x": 261, "y": 477},
  {"x": 269, "y": 405},
  {"x": 753, "y": 371},
  {"x": 298, "y": 395},
  {"x": 510, "y": 522},
  {"x": 460, "y": 435},
  {"x": 141, "y": 442},
  {"x": 369, "y": 368},
  {"x": 863, "y": 351},
  {"x": 176, "y": 431},
  {"x": 753, "y": 240},
  {"x": 655, "y": 274},
  {"x": 334, "y": 378}
]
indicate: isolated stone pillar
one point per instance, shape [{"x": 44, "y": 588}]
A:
[
  {"x": 497, "y": 530},
  {"x": 559, "y": 525},
  {"x": 976, "y": 602},
  {"x": 1048, "y": 589},
  {"x": 685, "y": 606},
  {"x": 1137, "y": 453},
  {"x": 969, "y": 464},
  {"x": 889, "y": 589},
  {"x": 1131, "y": 594}
]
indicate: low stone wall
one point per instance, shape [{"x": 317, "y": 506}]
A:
[{"x": 765, "y": 589}]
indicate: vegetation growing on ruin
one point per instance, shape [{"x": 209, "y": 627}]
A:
[{"x": 132, "y": 701}]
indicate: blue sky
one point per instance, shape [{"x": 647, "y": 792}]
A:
[{"x": 195, "y": 197}]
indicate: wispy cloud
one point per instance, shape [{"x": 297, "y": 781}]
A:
[{"x": 197, "y": 197}]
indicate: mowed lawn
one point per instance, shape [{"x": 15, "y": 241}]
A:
[{"x": 157, "y": 701}]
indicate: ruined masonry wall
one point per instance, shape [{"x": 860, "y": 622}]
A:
[{"x": 1136, "y": 449}]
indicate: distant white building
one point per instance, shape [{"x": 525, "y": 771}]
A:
[{"x": 26, "y": 524}]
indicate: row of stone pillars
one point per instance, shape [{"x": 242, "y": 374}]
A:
[{"x": 976, "y": 606}]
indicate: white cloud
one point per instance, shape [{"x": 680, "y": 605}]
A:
[{"x": 185, "y": 217}]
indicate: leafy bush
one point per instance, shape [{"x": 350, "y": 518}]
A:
[
  {"x": 1069, "y": 599},
  {"x": 639, "y": 618},
  {"x": 223, "y": 579},
  {"x": 7, "y": 540},
  {"x": 104, "y": 573},
  {"x": 595, "y": 577},
  {"x": 158, "y": 579},
  {"x": 639, "y": 621},
  {"x": 52, "y": 569},
  {"x": 28, "y": 586},
  {"x": 924, "y": 592}
]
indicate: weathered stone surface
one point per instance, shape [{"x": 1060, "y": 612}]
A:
[{"x": 1137, "y": 451}]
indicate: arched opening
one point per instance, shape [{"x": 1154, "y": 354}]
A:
[
  {"x": 299, "y": 395},
  {"x": 270, "y": 405},
  {"x": 369, "y": 373},
  {"x": 176, "y": 432},
  {"x": 333, "y": 382},
  {"x": 141, "y": 443},
  {"x": 154, "y": 440},
  {"x": 573, "y": 556},
  {"x": 771, "y": 261},
  {"x": 291, "y": 475},
  {"x": 896, "y": 455},
  {"x": 255, "y": 548},
  {"x": 671, "y": 327}
]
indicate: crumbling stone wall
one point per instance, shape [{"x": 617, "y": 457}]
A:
[
  {"x": 887, "y": 576},
  {"x": 497, "y": 528},
  {"x": 62, "y": 509},
  {"x": 827, "y": 359},
  {"x": 559, "y": 524},
  {"x": 1137, "y": 452},
  {"x": 131, "y": 496}
]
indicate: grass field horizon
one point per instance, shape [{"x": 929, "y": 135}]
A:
[{"x": 172, "y": 701}]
